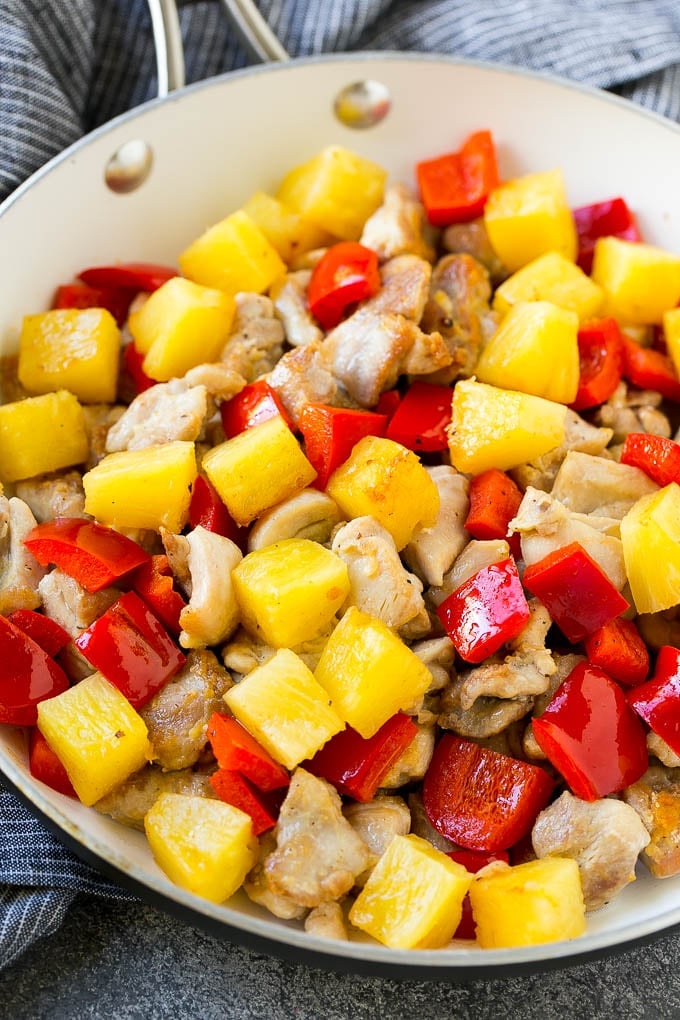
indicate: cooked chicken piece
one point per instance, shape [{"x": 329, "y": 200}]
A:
[
  {"x": 420, "y": 825},
  {"x": 10, "y": 387},
  {"x": 244, "y": 653},
  {"x": 578, "y": 435},
  {"x": 377, "y": 823},
  {"x": 438, "y": 655},
  {"x": 220, "y": 381},
  {"x": 656, "y": 798},
  {"x": 660, "y": 749},
  {"x": 303, "y": 376},
  {"x": 56, "y": 495},
  {"x": 405, "y": 286},
  {"x": 398, "y": 226},
  {"x": 472, "y": 239},
  {"x": 308, "y": 514},
  {"x": 289, "y": 295},
  {"x": 508, "y": 741},
  {"x": 432, "y": 551},
  {"x": 327, "y": 921},
  {"x": 485, "y": 717},
  {"x": 130, "y": 801},
  {"x": 177, "y": 550},
  {"x": 594, "y": 485},
  {"x": 476, "y": 555},
  {"x": 318, "y": 854},
  {"x": 164, "y": 413},
  {"x": 380, "y": 585},
  {"x": 20, "y": 572},
  {"x": 257, "y": 338},
  {"x": 177, "y": 715},
  {"x": 604, "y": 837},
  {"x": 99, "y": 419},
  {"x": 67, "y": 602},
  {"x": 212, "y": 613},
  {"x": 258, "y": 891},
  {"x": 660, "y": 629},
  {"x": 631, "y": 410},
  {"x": 413, "y": 763}
]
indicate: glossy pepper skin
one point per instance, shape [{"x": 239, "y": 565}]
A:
[
  {"x": 28, "y": 676},
  {"x": 134, "y": 276},
  {"x": 346, "y": 274},
  {"x": 44, "y": 765},
  {"x": 454, "y": 187},
  {"x": 235, "y": 789},
  {"x": 618, "y": 648},
  {"x": 236, "y": 750},
  {"x": 473, "y": 861},
  {"x": 600, "y": 350},
  {"x": 45, "y": 631},
  {"x": 331, "y": 433},
  {"x": 257, "y": 402},
  {"x": 494, "y": 501},
  {"x": 487, "y": 610},
  {"x": 94, "y": 555},
  {"x": 658, "y": 700},
  {"x": 657, "y": 456},
  {"x": 480, "y": 799},
  {"x": 207, "y": 510},
  {"x": 649, "y": 369},
  {"x": 591, "y": 735},
  {"x": 133, "y": 362},
  {"x": 154, "y": 584},
  {"x": 422, "y": 417},
  {"x": 78, "y": 295},
  {"x": 610, "y": 218}
]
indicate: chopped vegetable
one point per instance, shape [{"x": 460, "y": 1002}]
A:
[
  {"x": 96, "y": 556},
  {"x": 24, "y": 424},
  {"x": 551, "y": 277},
  {"x": 134, "y": 276},
  {"x": 331, "y": 433},
  {"x": 208, "y": 511},
  {"x": 235, "y": 789},
  {"x": 600, "y": 348},
  {"x": 45, "y": 631},
  {"x": 650, "y": 533},
  {"x": 658, "y": 700},
  {"x": 640, "y": 281},
  {"x": 232, "y": 256},
  {"x": 473, "y": 861},
  {"x": 345, "y": 275},
  {"x": 237, "y": 751},
  {"x": 494, "y": 501},
  {"x": 611, "y": 218},
  {"x": 421, "y": 418},
  {"x": 657, "y": 456},
  {"x": 115, "y": 300},
  {"x": 153, "y": 582},
  {"x": 44, "y": 765},
  {"x": 454, "y": 187},
  {"x": 257, "y": 402},
  {"x": 618, "y": 648},
  {"x": 647, "y": 368},
  {"x": 29, "y": 675},
  {"x": 133, "y": 361}
]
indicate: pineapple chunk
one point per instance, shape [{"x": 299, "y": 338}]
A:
[
  {"x": 143, "y": 488},
  {"x": 289, "y": 592},
  {"x": 671, "y": 332},
  {"x": 413, "y": 898},
  {"x": 233, "y": 255},
  {"x": 650, "y": 533},
  {"x": 337, "y": 190},
  {"x": 553, "y": 278},
  {"x": 41, "y": 434},
  {"x": 258, "y": 468},
  {"x": 71, "y": 349},
  {"x": 535, "y": 350},
  {"x": 284, "y": 707},
  {"x": 529, "y": 216},
  {"x": 640, "y": 282},
  {"x": 384, "y": 480},
  {"x": 205, "y": 846},
  {"x": 529, "y": 904},
  {"x": 283, "y": 228},
  {"x": 96, "y": 734},
  {"x": 493, "y": 427},
  {"x": 369, "y": 673}
]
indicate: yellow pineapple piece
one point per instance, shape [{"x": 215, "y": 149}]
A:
[
  {"x": 369, "y": 673},
  {"x": 650, "y": 533},
  {"x": 640, "y": 282},
  {"x": 494, "y": 427},
  {"x": 96, "y": 734},
  {"x": 143, "y": 488},
  {"x": 285, "y": 708},
  {"x": 529, "y": 904},
  {"x": 671, "y": 332},
  {"x": 413, "y": 898},
  {"x": 257, "y": 469},
  {"x": 535, "y": 350},
  {"x": 337, "y": 190},
  {"x": 552, "y": 277},
  {"x": 289, "y": 592},
  {"x": 203, "y": 845},
  {"x": 71, "y": 349},
  {"x": 233, "y": 255},
  {"x": 384, "y": 480},
  {"x": 283, "y": 228},
  {"x": 529, "y": 216},
  {"x": 41, "y": 434}
]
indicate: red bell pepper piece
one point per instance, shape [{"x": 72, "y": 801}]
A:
[
  {"x": 237, "y": 750},
  {"x": 134, "y": 276},
  {"x": 28, "y": 676},
  {"x": 257, "y": 402},
  {"x": 473, "y": 861},
  {"x": 346, "y": 274},
  {"x": 421, "y": 418},
  {"x": 45, "y": 631},
  {"x": 78, "y": 295},
  {"x": 388, "y": 402},
  {"x": 454, "y": 187},
  {"x": 331, "y": 433},
  {"x": 487, "y": 610},
  {"x": 207, "y": 510},
  {"x": 620, "y": 651},
  {"x": 44, "y": 765},
  {"x": 355, "y": 765},
  {"x": 94, "y": 555},
  {"x": 494, "y": 501},
  {"x": 154, "y": 584},
  {"x": 133, "y": 361},
  {"x": 649, "y": 369},
  {"x": 600, "y": 351},
  {"x": 657, "y": 456},
  {"x": 130, "y": 646},
  {"x": 658, "y": 700},
  {"x": 234, "y": 789},
  {"x": 480, "y": 799},
  {"x": 591, "y": 735},
  {"x": 575, "y": 590},
  {"x": 611, "y": 218}
]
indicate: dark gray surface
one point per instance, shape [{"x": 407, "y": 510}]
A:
[{"x": 128, "y": 961}]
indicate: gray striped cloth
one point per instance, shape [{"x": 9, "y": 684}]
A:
[{"x": 67, "y": 66}]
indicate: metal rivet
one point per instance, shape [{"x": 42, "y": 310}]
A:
[
  {"x": 362, "y": 104},
  {"x": 129, "y": 166}
]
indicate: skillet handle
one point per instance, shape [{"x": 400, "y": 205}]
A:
[{"x": 167, "y": 38}]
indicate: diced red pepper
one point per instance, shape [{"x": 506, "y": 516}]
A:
[
  {"x": 134, "y": 361},
  {"x": 331, "y": 433},
  {"x": 494, "y": 501},
  {"x": 94, "y": 555},
  {"x": 153, "y": 582},
  {"x": 130, "y": 646},
  {"x": 575, "y": 590},
  {"x": 473, "y": 861},
  {"x": 44, "y": 765},
  {"x": 346, "y": 274},
  {"x": 620, "y": 651},
  {"x": 78, "y": 295},
  {"x": 480, "y": 799},
  {"x": 421, "y": 418},
  {"x": 485, "y": 611},
  {"x": 388, "y": 402},
  {"x": 207, "y": 510},
  {"x": 600, "y": 351},
  {"x": 658, "y": 700},
  {"x": 591, "y": 735},
  {"x": 134, "y": 276},
  {"x": 611, "y": 218},
  {"x": 355, "y": 765},
  {"x": 237, "y": 750},
  {"x": 45, "y": 631},
  {"x": 257, "y": 402},
  {"x": 649, "y": 369},
  {"x": 657, "y": 456},
  {"x": 234, "y": 789},
  {"x": 454, "y": 187},
  {"x": 28, "y": 676}
]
